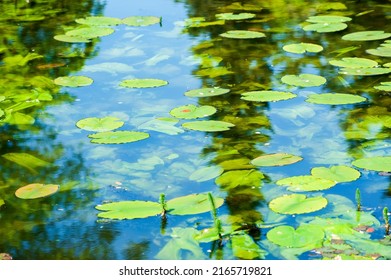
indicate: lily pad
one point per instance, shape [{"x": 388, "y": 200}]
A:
[
  {"x": 206, "y": 92},
  {"x": 366, "y": 36},
  {"x": 100, "y": 124},
  {"x": 208, "y": 126},
  {"x": 206, "y": 173},
  {"x": 338, "y": 174},
  {"x": 278, "y": 159},
  {"x": 303, "y": 80},
  {"x": 354, "y": 62},
  {"x": 99, "y": 21},
  {"x": 297, "y": 204},
  {"x": 240, "y": 178},
  {"x": 304, "y": 235},
  {"x": 232, "y": 16},
  {"x": 90, "y": 32},
  {"x": 129, "y": 210},
  {"x": 73, "y": 81},
  {"x": 244, "y": 247},
  {"x": 143, "y": 83},
  {"x": 365, "y": 71},
  {"x": 192, "y": 112},
  {"x": 325, "y": 27},
  {"x": 306, "y": 183},
  {"x": 382, "y": 164},
  {"x": 163, "y": 125},
  {"x": 192, "y": 204},
  {"x": 117, "y": 137},
  {"x": 380, "y": 51},
  {"x": 267, "y": 96},
  {"x": 33, "y": 191},
  {"x": 302, "y": 48},
  {"x": 329, "y": 19},
  {"x": 386, "y": 86},
  {"x": 71, "y": 39},
  {"x": 141, "y": 20},
  {"x": 334, "y": 98},
  {"x": 242, "y": 34}
]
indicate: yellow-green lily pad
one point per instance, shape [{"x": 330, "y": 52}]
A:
[
  {"x": 366, "y": 35},
  {"x": 303, "y": 48},
  {"x": 278, "y": 159},
  {"x": 117, "y": 137},
  {"x": 100, "y": 124},
  {"x": 242, "y": 34},
  {"x": 335, "y": 98},
  {"x": 306, "y": 183},
  {"x": 141, "y": 20},
  {"x": 36, "y": 190},
  {"x": 297, "y": 204},
  {"x": 382, "y": 164},
  {"x": 303, "y": 80},
  {"x": 73, "y": 81},
  {"x": 143, "y": 83},
  {"x": 305, "y": 235},
  {"x": 192, "y": 112},
  {"x": 340, "y": 173},
  {"x": 267, "y": 96}
]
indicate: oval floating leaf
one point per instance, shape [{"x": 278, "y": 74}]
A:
[
  {"x": 206, "y": 92},
  {"x": 33, "y": 191},
  {"x": 329, "y": 19},
  {"x": 302, "y": 48},
  {"x": 334, "y": 98},
  {"x": 386, "y": 86},
  {"x": 304, "y": 235},
  {"x": 99, "y": 21},
  {"x": 208, "y": 126},
  {"x": 306, "y": 183},
  {"x": 143, "y": 83},
  {"x": 325, "y": 27},
  {"x": 380, "y": 51},
  {"x": 336, "y": 173},
  {"x": 244, "y": 247},
  {"x": 366, "y": 36},
  {"x": 382, "y": 164},
  {"x": 117, "y": 137},
  {"x": 278, "y": 159},
  {"x": 100, "y": 124},
  {"x": 206, "y": 173},
  {"x": 303, "y": 80},
  {"x": 354, "y": 62},
  {"x": 129, "y": 210},
  {"x": 365, "y": 71},
  {"x": 71, "y": 39},
  {"x": 90, "y": 32},
  {"x": 242, "y": 34},
  {"x": 192, "y": 204},
  {"x": 73, "y": 81},
  {"x": 232, "y": 16},
  {"x": 192, "y": 112},
  {"x": 267, "y": 96},
  {"x": 141, "y": 20},
  {"x": 297, "y": 204}
]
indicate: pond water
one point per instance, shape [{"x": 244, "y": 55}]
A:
[{"x": 262, "y": 210}]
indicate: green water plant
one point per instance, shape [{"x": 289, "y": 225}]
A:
[
  {"x": 73, "y": 81},
  {"x": 386, "y": 219},
  {"x": 36, "y": 190},
  {"x": 143, "y": 83},
  {"x": 358, "y": 199},
  {"x": 242, "y": 34}
]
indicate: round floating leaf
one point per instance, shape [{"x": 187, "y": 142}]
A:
[
  {"x": 208, "y": 126},
  {"x": 141, "y": 20},
  {"x": 192, "y": 111},
  {"x": 380, "y": 51},
  {"x": 117, "y": 137},
  {"x": 240, "y": 178},
  {"x": 302, "y": 48},
  {"x": 244, "y": 247},
  {"x": 143, "y": 83},
  {"x": 99, "y": 20},
  {"x": 206, "y": 92},
  {"x": 129, "y": 210},
  {"x": 71, "y": 39},
  {"x": 297, "y": 204},
  {"x": 231, "y": 16},
  {"x": 366, "y": 36},
  {"x": 338, "y": 174},
  {"x": 325, "y": 27},
  {"x": 328, "y": 19},
  {"x": 192, "y": 204},
  {"x": 267, "y": 96},
  {"x": 242, "y": 34},
  {"x": 206, "y": 173},
  {"x": 365, "y": 71},
  {"x": 73, "y": 81},
  {"x": 278, "y": 159},
  {"x": 382, "y": 164},
  {"x": 334, "y": 98},
  {"x": 306, "y": 183},
  {"x": 90, "y": 32},
  {"x": 304, "y": 235},
  {"x": 303, "y": 80},
  {"x": 386, "y": 86},
  {"x": 100, "y": 124},
  {"x": 36, "y": 190},
  {"x": 354, "y": 62}
]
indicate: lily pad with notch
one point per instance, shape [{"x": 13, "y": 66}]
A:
[
  {"x": 117, "y": 137},
  {"x": 326, "y": 27},
  {"x": 339, "y": 173},
  {"x": 304, "y": 80},
  {"x": 306, "y": 183},
  {"x": 143, "y": 83},
  {"x": 192, "y": 112},
  {"x": 278, "y": 159},
  {"x": 267, "y": 96},
  {"x": 305, "y": 235},
  {"x": 334, "y": 98},
  {"x": 208, "y": 126},
  {"x": 297, "y": 204},
  {"x": 100, "y": 124},
  {"x": 206, "y": 92},
  {"x": 301, "y": 48}
]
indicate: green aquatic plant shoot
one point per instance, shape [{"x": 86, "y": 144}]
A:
[
  {"x": 358, "y": 199},
  {"x": 386, "y": 220},
  {"x": 216, "y": 220}
]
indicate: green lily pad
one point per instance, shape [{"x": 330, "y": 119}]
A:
[
  {"x": 380, "y": 51},
  {"x": 163, "y": 125},
  {"x": 232, "y": 16},
  {"x": 306, "y": 183},
  {"x": 90, "y": 32},
  {"x": 71, "y": 39},
  {"x": 386, "y": 86},
  {"x": 240, "y": 178},
  {"x": 334, "y": 98},
  {"x": 33, "y": 191},
  {"x": 129, "y": 210},
  {"x": 338, "y": 174},
  {"x": 214, "y": 72},
  {"x": 117, "y": 137},
  {"x": 325, "y": 27},
  {"x": 208, "y": 126},
  {"x": 73, "y": 81},
  {"x": 365, "y": 71},
  {"x": 382, "y": 164},
  {"x": 99, "y": 21},
  {"x": 143, "y": 83},
  {"x": 302, "y": 48},
  {"x": 100, "y": 124},
  {"x": 297, "y": 204},
  {"x": 325, "y": 19},
  {"x": 304, "y": 235},
  {"x": 27, "y": 160},
  {"x": 192, "y": 112},
  {"x": 141, "y": 20},
  {"x": 244, "y": 247},
  {"x": 278, "y": 159},
  {"x": 206, "y": 173},
  {"x": 267, "y": 96},
  {"x": 366, "y": 36},
  {"x": 354, "y": 62},
  {"x": 303, "y": 80},
  {"x": 206, "y": 92},
  {"x": 242, "y": 34},
  {"x": 192, "y": 204}
]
